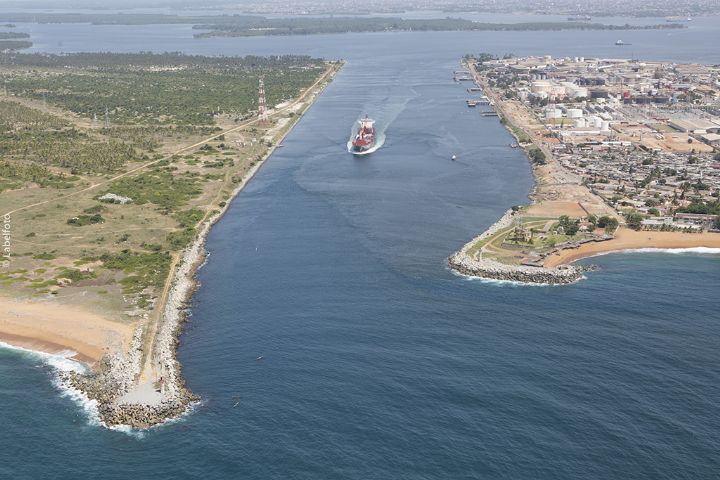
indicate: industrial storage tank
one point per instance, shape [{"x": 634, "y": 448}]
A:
[
  {"x": 553, "y": 113},
  {"x": 574, "y": 113},
  {"x": 594, "y": 122}
]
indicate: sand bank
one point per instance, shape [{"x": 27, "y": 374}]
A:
[
  {"x": 626, "y": 239},
  {"x": 52, "y": 327}
]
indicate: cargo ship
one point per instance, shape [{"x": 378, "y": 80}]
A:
[{"x": 365, "y": 137}]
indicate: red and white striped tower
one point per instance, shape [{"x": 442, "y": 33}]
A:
[{"x": 262, "y": 108}]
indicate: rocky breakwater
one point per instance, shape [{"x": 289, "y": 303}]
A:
[
  {"x": 173, "y": 399},
  {"x": 117, "y": 377},
  {"x": 121, "y": 398},
  {"x": 475, "y": 265},
  {"x": 491, "y": 269}
]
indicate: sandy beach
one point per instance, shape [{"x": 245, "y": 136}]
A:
[
  {"x": 52, "y": 327},
  {"x": 627, "y": 239}
]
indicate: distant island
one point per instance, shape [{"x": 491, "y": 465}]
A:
[
  {"x": 13, "y": 35},
  {"x": 309, "y": 26},
  {"x": 254, "y": 25},
  {"x": 12, "y": 41},
  {"x": 11, "y": 45}
]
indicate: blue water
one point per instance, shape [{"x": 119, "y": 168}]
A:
[{"x": 378, "y": 362}]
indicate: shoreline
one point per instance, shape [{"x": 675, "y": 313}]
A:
[
  {"x": 467, "y": 264},
  {"x": 135, "y": 408},
  {"x": 627, "y": 241},
  {"x": 118, "y": 385},
  {"x": 30, "y": 344},
  {"x": 51, "y": 328},
  {"x": 557, "y": 268}
]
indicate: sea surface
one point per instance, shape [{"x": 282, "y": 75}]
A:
[{"x": 378, "y": 362}]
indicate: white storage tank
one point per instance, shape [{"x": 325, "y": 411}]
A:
[
  {"x": 605, "y": 126},
  {"x": 594, "y": 122},
  {"x": 552, "y": 112},
  {"x": 580, "y": 123},
  {"x": 574, "y": 113}
]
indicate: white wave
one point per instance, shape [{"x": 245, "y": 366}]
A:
[
  {"x": 515, "y": 283},
  {"x": 379, "y": 143},
  {"x": 141, "y": 433},
  {"x": 62, "y": 362},
  {"x": 509, "y": 283},
  {"x": 128, "y": 430},
  {"x": 87, "y": 405},
  {"x": 674, "y": 251}
]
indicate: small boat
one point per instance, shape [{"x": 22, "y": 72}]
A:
[{"x": 453, "y": 158}]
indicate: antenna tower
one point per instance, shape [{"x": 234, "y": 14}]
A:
[{"x": 262, "y": 108}]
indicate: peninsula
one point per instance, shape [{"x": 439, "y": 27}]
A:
[
  {"x": 113, "y": 169},
  {"x": 624, "y": 153}
]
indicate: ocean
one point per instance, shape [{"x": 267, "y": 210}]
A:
[{"x": 378, "y": 362}]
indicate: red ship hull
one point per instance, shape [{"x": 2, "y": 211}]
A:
[{"x": 365, "y": 137}]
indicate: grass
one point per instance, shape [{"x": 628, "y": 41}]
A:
[
  {"x": 182, "y": 238},
  {"x": 522, "y": 137},
  {"x": 131, "y": 243},
  {"x": 143, "y": 269},
  {"x": 189, "y": 218},
  {"x": 162, "y": 188},
  {"x": 75, "y": 275},
  {"x": 83, "y": 220}
]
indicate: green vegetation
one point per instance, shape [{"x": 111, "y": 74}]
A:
[
  {"x": 182, "y": 238},
  {"x": 634, "y": 220},
  {"x": 54, "y": 134},
  {"x": 14, "y": 44},
  {"x": 608, "y": 223},
  {"x": 257, "y": 25},
  {"x": 569, "y": 226},
  {"x": 522, "y": 137},
  {"x": 536, "y": 155},
  {"x": 13, "y": 35},
  {"x": 707, "y": 208},
  {"x": 163, "y": 89},
  {"x": 189, "y": 218},
  {"x": 159, "y": 187},
  {"x": 83, "y": 220},
  {"x": 96, "y": 209},
  {"x": 75, "y": 275},
  {"x": 144, "y": 269},
  {"x": 31, "y": 140}
]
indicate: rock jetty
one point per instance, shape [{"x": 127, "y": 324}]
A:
[
  {"x": 478, "y": 266},
  {"x": 115, "y": 385}
]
